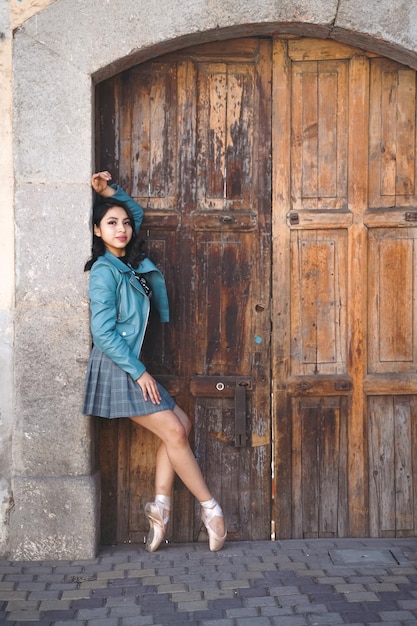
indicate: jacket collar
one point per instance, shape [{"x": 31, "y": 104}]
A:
[
  {"x": 144, "y": 267},
  {"x": 118, "y": 264}
]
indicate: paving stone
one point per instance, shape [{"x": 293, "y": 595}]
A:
[
  {"x": 62, "y": 586},
  {"x": 75, "y": 594},
  {"x": 89, "y": 614},
  {"x": 44, "y": 595},
  {"x": 71, "y": 622},
  {"x": 382, "y": 587},
  {"x": 401, "y": 616},
  {"x": 189, "y": 597},
  {"x": 13, "y": 595},
  {"x": 105, "y": 592},
  {"x": 53, "y": 605},
  {"x": 53, "y": 616},
  {"x": 235, "y": 584},
  {"x": 219, "y": 594},
  {"x": 293, "y": 600},
  {"x": 20, "y": 605},
  {"x": 125, "y": 611},
  {"x": 408, "y": 604},
  {"x": 362, "y": 596},
  {"x": 221, "y": 622},
  {"x": 290, "y": 620},
  {"x": 139, "y": 620},
  {"x": 241, "y": 612},
  {"x": 249, "y": 621},
  {"x": 261, "y": 601},
  {"x": 24, "y": 616},
  {"x": 156, "y": 580}
]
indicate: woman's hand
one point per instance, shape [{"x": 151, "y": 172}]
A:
[
  {"x": 149, "y": 388},
  {"x": 99, "y": 184}
]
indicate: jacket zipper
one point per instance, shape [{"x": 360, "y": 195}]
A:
[{"x": 147, "y": 313}]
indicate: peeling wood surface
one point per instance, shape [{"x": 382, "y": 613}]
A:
[
  {"x": 344, "y": 288},
  {"x": 189, "y": 137}
]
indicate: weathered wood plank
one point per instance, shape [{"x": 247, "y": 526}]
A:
[
  {"x": 321, "y": 50},
  {"x": 381, "y": 469},
  {"x": 357, "y": 295},
  {"x": 281, "y": 288},
  {"x": 406, "y": 133},
  {"x": 404, "y": 496},
  {"x": 107, "y": 456},
  {"x": 123, "y": 482}
]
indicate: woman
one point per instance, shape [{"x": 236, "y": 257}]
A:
[{"x": 118, "y": 385}]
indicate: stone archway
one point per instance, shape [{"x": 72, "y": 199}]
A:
[{"x": 58, "y": 55}]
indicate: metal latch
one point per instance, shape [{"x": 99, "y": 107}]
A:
[{"x": 240, "y": 414}]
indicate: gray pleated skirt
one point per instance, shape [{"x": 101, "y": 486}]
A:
[{"x": 111, "y": 392}]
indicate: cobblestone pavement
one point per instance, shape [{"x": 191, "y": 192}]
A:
[{"x": 289, "y": 583}]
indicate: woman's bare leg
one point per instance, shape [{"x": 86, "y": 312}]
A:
[
  {"x": 164, "y": 474},
  {"x": 176, "y": 456}
]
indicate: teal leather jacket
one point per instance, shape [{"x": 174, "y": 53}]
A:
[{"x": 118, "y": 304}]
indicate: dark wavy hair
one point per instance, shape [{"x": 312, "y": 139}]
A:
[{"x": 134, "y": 249}]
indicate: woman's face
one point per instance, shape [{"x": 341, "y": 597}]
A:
[{"x": 115, "y": 229}]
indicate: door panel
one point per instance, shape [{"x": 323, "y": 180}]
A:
[
  {"x": 392, "y": 321},
  {"x": 318, "y": 304},
  {"x": 319, "y": 439},
  {"x": 392, "y": 445},
  {"x": 392, "y": 163},
  {"x": 319, "y": 135}
]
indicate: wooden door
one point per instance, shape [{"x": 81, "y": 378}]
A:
[
  {"x": 189, "y": 137},
  {"x": 301, "y": 151},
  {"x": 344, "y": 349}
]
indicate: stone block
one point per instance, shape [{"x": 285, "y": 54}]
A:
[
  {"x": 52, "y": 112},
  {"x": 54, "y": 518},
  {"x": 52, "y": 437}
]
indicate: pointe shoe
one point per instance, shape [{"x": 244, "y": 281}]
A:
[
  {"x": 216, "y": 542},
  {"x": 157, "y": 526}
]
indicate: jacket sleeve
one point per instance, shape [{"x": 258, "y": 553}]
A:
[
  {"x": 103, "y": 307},
  {"x": 135, "y": 208}
]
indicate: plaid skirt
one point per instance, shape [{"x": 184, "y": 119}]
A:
[{"x": 111, "y": 392}]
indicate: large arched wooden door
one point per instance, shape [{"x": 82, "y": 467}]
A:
[{"x": 278, "y": 179}]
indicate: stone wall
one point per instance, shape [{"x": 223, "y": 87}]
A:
[{"x": 50, "y": 484}]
